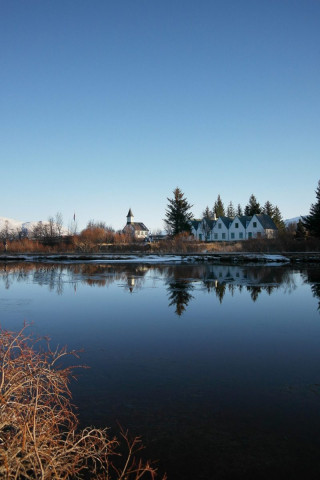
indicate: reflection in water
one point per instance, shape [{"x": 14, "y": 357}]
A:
[
  {"x": 181, "y": 279},
  {"x": 313, "y": 277},
  {"x": 230, "y": 390},
  {"x": 255, "y": 292},
  {"x": 179, "y": 294}
]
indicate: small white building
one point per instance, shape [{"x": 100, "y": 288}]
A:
[
  {"x": 261, "y": 225},
  {"x": 136, "y": 229},
  {"x": 238, "y": 228},
  {"x": 221, "y": 229}
]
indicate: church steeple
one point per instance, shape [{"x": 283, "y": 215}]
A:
[{"x": 130, "y": 217}]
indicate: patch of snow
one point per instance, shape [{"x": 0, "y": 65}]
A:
[{"x": 276, "y": 258}]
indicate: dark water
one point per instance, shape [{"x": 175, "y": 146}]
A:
[{"x": 217, "y": 367}]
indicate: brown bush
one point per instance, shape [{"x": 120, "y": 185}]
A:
[{"x": 39, "y": 435}]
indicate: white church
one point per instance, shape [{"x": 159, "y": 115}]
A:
[{"x": 136, "y": 229}]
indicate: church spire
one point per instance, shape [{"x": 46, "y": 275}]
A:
[{"x": 129, "y": 217}]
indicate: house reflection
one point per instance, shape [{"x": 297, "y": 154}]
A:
[{"x": 180, "y": 280}]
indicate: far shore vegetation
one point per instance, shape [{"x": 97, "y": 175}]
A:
[
  {"x": 92, "y": 241},
  {"x": 49, "y": 237}
]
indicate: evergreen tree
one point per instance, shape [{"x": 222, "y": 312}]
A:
[
  {"x": 207, "y": 213},
  {"x": 178, "y": 216},
  {"x": 253, "y": 207},
  {"x": 218, "y": 208},
  {"x": 301, "y": 230},
  {"x": 231, "y": 211},
  {"x": 239, "y": 210},
  {"x": 312, "y": 221},
  {"x": 268, "y": 209},
  {"x": 277, "y": 218}
]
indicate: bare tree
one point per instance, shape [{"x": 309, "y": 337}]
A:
[{"x": 59, "y": 223}]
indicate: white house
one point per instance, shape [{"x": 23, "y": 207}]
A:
[
  {"x": 238, "y": 228},
  {"x": 196, "y": 229},
  {"x": 221, "y": 229},
  {"x": 137, "y": 229},
  {"x": 261, "y": 225},
  {"x": 224, "y": 229}
]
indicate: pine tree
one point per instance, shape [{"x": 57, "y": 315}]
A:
[
  {"x": 207, "y": 213},
  {"x": 312, "y": 221},
  {"x": 268, "y": 209},
  {"x": 301, "y": 230},
  {"x": 277, "y": 219},
  {"x": 178, "y": 216},
  {"x": 253, "y": 207},
  {"x": 218, "y": 208},
  {"x": 231, "y": 211},
  {"x": 239, "y": 210}
]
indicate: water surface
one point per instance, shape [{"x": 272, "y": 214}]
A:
[{"x": 217, "y": 367}]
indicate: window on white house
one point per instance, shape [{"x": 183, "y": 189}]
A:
[
  {"x": 223, "y": 236},
  {"x": 249, "y": 234},
  {"x": 216, "y": 236},
  {"x": 254, "y": 224},
  {"x": 219, "y": 225},
  {"x": 232, "y": 235},
  {"x": 236, "y": 225},
  {"x": 241, "y": 235}
]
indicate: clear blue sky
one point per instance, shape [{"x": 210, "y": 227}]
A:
[{"x": 107, "y": 105}]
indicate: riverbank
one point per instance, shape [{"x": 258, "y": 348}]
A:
[{"x": 138, "y": 257}]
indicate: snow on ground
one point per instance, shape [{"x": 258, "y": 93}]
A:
[{"x": 150, "y": 259}]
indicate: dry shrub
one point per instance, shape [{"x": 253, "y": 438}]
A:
[
  {"x": 25, "y": 245},
  {"x": 181, "y": 243},
  {"x": 39, "y": 436},
  {"x": 285, "y": 242}
]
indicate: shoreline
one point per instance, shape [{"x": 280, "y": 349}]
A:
[{"x": 138, "y": 257}]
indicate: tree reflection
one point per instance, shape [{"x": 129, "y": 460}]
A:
[
  {"x": 217, "y": 279},
  {"x": 255, "y": 292},
  {"x": 220, "y": 290},
  {"x": 313, "y": 277},
  {"x": 179, "y": 295}
]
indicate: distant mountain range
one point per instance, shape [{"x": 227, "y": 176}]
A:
[
  {"x": 14, "y": 226},
  {"x": 292, "y": 220}
]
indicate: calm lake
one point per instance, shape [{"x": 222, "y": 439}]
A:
[{"x": 217, "y": 367}]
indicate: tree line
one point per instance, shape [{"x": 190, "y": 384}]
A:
[
  {"x": 253, "y": 207},
  {"x": 178, "y": 214}
]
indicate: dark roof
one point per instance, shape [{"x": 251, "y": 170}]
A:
[
  {"x": 140, "y": 226},
  {"x": 130, "y": 214},
  {"x": 210, "y": 222},
  {"x": 244, "y": 219},
  {"x": 195, "y": 224},
  {"x": 137, "y": 226},
  {"x": 226, "y": 221},
  {"x": 266, "y": 221}
]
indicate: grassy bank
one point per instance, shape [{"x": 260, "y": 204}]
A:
[{"x": 179, "y": 245}]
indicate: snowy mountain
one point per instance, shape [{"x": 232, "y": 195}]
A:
[
  {"x": 13, "y": 227},
  {"x": 292, "y": 220}
]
